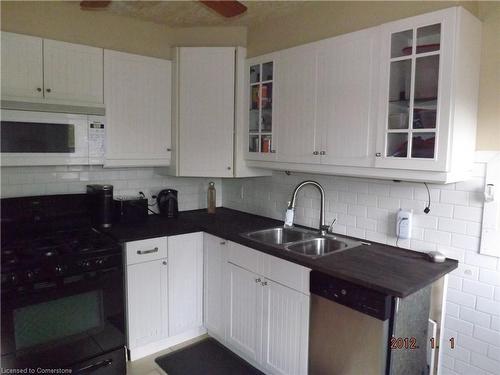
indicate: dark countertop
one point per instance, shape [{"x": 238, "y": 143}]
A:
[{"x": 387, "y": 269}]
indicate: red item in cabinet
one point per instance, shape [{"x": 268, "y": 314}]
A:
[{"x": 266, "y": 145}]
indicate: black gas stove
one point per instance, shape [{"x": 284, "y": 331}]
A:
[{"x": 61, "y": 288}]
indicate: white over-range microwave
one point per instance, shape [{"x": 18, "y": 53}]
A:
[{"x": 42, "y": 138}]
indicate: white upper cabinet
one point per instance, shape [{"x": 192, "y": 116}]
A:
[
  {"x": 397, "y": 101},
  {"x": 22, "y": 69},
  {"x": 205, "y": 97},
  {"x": 260, "y": 108},
  {"x": 72, "y": 73},
  {"x": 346, "y": 98},
  {"x": 137, "y": 94},
  {"x": 296, "y": 131},
  {"x": 51, "y": 72},
  {"x": 429, "y": 68}
]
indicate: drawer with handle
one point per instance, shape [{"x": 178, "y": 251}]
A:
[{"x": 145, "y": 250}]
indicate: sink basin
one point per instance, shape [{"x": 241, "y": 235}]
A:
[
  {"x": 321, "y": 246},
  {"x": 279, "y": 235},
  {"x": 301, "y": 241}
]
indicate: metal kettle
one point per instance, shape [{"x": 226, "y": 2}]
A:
[{"x": 167, "y": 203}]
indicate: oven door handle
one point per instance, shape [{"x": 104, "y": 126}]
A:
[
  {"x": 143, "y": 252},
  {"x": 94, "y": 366}
]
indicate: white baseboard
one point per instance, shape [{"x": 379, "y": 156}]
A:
[{"x": 154, "y": 347}]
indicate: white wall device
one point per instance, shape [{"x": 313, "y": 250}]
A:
[{"x": 404, "y": 223}]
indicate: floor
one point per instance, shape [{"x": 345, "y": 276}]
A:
[{"x": 148, "y": 366}]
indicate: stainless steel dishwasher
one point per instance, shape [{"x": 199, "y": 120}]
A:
[{"x": 356, "y": 330}]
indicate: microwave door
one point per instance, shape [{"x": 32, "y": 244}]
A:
[{"x": 37, "y": 138}]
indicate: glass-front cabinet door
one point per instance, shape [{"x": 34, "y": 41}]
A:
[
  {"x": 413, "y": 70},
  {"x": 260, "y": 109}
]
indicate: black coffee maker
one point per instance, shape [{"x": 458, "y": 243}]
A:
[{"x": 167, "y": 203}]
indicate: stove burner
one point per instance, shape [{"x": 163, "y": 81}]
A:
[{"x": 54, "y": 246}]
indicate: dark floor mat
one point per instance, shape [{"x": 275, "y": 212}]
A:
[{"x": 206, "y": 357}]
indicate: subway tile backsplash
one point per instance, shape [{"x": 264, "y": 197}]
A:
[
  {"x": 25, "y": 181},
  {"x": 367, "y": 209}
]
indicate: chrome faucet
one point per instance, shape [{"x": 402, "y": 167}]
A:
[{"x": 323, "y": 228}]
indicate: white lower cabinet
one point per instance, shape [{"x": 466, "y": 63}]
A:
[
  {"x": 245, "y": 312},
  {"x": 183, "y": 286},
  {"x": 214, "y": 260},
  {"x": 185, "y": 282},
  {"x": 268, "y": 321},
  {"x": 146, "y": 288},
  {"x": 164, "y": 281},
  {"x": 147, "y": 312},
  {"x": 285, "y": 332}
]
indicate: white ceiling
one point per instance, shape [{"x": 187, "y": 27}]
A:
[{"x": 194, "y": 13}]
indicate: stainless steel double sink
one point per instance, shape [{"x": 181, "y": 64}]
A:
[{"x": 301, "y": 241}]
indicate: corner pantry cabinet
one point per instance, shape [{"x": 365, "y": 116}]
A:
[
  {"x": 137, "y": 94},
  {"x": 204, "y": 111},
  {"x": 429, "y": 83},
  {"x": 50, "y": 72},
  {"x": 208, "y": 115}
]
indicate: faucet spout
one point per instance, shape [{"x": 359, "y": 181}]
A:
[{"x": 291, "y": 205}]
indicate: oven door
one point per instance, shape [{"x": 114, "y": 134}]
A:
[
  {"x": 41, "y": 138},
  {"x": 65, "y": 322}
]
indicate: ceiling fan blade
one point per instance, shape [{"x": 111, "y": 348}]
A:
[
  {"x": 228, "y": 8},
  {"x": 94, "y": 4}
]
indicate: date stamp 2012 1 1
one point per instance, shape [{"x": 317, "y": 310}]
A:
[{"x": 410, "y": 343}]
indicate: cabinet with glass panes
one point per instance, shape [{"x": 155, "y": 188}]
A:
[
  {"x": 260, "y": 120},
  {"x": 429, "y": 77},
  {"x": 413, "y": 93}
]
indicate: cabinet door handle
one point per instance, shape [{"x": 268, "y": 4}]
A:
[
  {"x": 143, "y": 252},
  {"x": 169, "y": 149},
  {"x": 378, "y": 154},
  {"x": 228, "y": 168},
  {"x": 273, "y": 151},
  {"x": 322, "y": 153},
  {"x": 315, "y": 152},
  {"x": 222, "y": 242},
  {"x": 39, "y": 89},
  {"x": 48, "y": 90},
  {"x": 164, "y": 262},
  {"x": 264, "y": 283},
  {"x": 258, "y": 280}
]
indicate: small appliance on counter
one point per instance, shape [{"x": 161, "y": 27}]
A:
[
  {"x": 167, "y": 203},
  {"x": 100, "y": 205},
  {"x": 130, "y": 209}
]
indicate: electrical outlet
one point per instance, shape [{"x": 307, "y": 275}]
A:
[{"x": 404, "y": 221}]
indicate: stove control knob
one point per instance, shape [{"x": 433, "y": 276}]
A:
[
  {"x": 13, "y": 278},
  {"x": 99, "y": 262},
  {"x": 29, "y": 275},
  {"x": 85, "y": 264},
  {"x": 59, "y": 269}
]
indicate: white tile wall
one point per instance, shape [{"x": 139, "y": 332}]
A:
[
  {"x": 367, "y": 209},
  {"x": 24, "y": 181}
]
